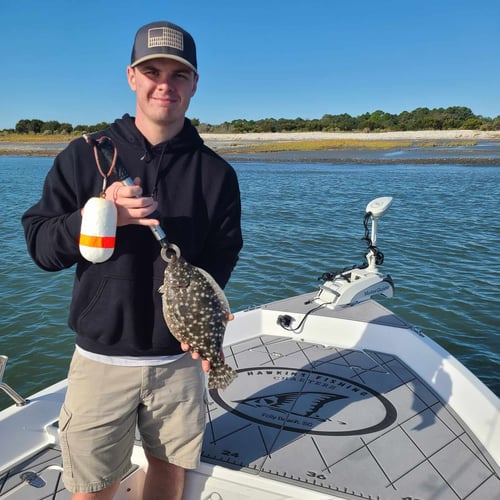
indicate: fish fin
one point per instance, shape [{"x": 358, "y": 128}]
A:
[{"x": 220, "y": 375}]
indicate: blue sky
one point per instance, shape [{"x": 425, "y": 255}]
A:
[{"x": 65, "y": 60}]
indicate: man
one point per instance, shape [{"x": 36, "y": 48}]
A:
[{"x": 127, "y": 368}]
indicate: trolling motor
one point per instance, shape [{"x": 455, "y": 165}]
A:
[{"x": 359, "y": 283}]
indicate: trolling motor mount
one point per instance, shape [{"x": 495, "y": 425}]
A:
[{"x": 359, "y": 283}]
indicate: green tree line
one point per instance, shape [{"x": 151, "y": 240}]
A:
[
  {"x": 52, "y": 127},
  {"x": 451, "y": 118}
]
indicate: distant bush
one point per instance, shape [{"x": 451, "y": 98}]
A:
[{"x": 451, "y": 118}]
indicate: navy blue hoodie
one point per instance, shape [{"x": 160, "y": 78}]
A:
[{"x": 116, "y": 307}]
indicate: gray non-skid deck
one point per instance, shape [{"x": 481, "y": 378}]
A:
[
  {"x": 355, "y": 424},
  {"x": 36, "y": 479}
]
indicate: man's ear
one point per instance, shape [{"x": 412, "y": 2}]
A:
[
  {"x": 195, "y": 84},
  {"x": 131, "y": 77}
]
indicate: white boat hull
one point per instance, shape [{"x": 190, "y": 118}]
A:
[{"x": 354, "y": 405}]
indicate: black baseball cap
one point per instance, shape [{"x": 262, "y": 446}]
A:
[{"x": 164, "y": 39}]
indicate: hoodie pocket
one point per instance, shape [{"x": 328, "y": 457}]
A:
[{"x": 118, "y": 309}]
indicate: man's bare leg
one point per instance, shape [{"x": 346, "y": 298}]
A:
[
  {"x": 164, "y": 481},
  {"x": 106, "y": 494}
]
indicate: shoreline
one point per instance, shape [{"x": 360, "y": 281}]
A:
[
  {"x": 416, "y": 136},
  {"x": 236, "y": 145},
  {"x": 410, "y": 147}
]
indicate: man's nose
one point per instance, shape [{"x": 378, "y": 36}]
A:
[{"x": 166, "y": 82}]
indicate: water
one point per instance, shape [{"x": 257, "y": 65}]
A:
[{"x": 440, "y": 238}]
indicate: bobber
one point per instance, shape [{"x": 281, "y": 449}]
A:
[{"x": 98, "y": 230}]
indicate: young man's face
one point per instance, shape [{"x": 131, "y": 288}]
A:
[{"x": 163, "y": 88}]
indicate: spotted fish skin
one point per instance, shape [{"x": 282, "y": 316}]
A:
[{"x": 196, "y": 312}]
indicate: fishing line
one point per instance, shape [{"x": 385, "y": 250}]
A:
[{"x": 94, "y": 143}]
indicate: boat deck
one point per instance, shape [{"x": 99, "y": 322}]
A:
[
  {"x": 343, "y": 423},
  {"x": 348, "y": 423}
]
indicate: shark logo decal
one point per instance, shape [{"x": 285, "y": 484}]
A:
[
  {"x": 303, "y": 401},
  {"x": 295, "y": 403}
]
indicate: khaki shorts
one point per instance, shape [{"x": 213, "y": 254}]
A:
[{"x": 105, "y": 404}]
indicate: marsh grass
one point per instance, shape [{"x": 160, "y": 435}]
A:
[
  {"x": 322, "y": 145},
  {"x": 37, "y": 138},
  {"x": 319, "y": 145},
  {"x": 270, "y": 146}
]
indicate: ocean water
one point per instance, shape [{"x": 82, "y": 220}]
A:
[{"x": 440, "y": 238}]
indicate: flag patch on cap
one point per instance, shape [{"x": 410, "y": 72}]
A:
[
  {"x": 162, "y": 39},
  {"x": 165, "y": 37}
]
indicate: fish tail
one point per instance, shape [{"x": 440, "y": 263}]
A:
[{"x": 220, "y": 376}]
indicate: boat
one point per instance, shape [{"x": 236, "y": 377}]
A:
[{"x": 336, "y": 397}]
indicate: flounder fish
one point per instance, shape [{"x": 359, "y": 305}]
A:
[{"x": 196, "y": 312}]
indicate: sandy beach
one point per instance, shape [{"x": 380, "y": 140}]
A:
[
  {"x": 227, "y": 144},
  {"x": 424, "y": 135},
  {"x": 231, "y": 143}
]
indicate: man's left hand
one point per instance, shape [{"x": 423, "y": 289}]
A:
[{"x": 205, "y": 363}]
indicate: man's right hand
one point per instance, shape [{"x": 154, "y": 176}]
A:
[{"x": 132, "y": 207}]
